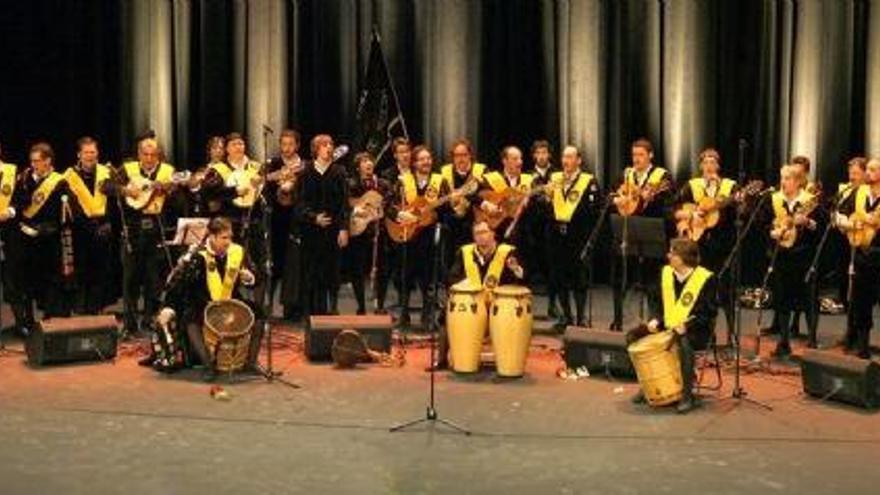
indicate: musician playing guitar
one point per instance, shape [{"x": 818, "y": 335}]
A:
[
  {"x": 456, "y": 174},
  {"x": 417, "y": 253},
  {"x": 646, "y": 191},
  {"x": 715, "y": 241},
  {"x": 365, "y": 256},
  {"x": 142, "y": 264},
  {"x": 505, "y": 194},
  {"x": 794, "y": 223},
  {"x": 859, "y": 217}
]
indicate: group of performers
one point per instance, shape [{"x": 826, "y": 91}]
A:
[{"x": 301, "y": 227}]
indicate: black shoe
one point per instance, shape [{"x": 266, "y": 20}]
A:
[
  {"x": 147, "y": 361},
  {"x": 781, "y": 352},
  {"x": 552, "y": 312},
  {"x": 380, "y": 311},
  {"x": 685, "y": 405},
  {"x": 615, "y": 327},
  {"x": 864, "y": 355},
  {"x": 404, "y": 321},
  {"x": 639, "y": 398},
  {"x": 560, "y": 325},
  {"x": 361, "y": 312}
]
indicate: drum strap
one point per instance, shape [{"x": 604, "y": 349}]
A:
[
  {"x": 676, "y": 310},
  {"x": 221, "y": 289},
  {"x": 496, "y": 266}
]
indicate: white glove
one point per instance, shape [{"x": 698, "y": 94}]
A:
[{"x": 165, "y": 316}]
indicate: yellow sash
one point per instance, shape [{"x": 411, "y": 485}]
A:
[
  {"x": 496, "y": 266},
  {"x": 677, "y": 311},
  {"x": 477, "y": 170},
  {"x": 698, "y": 188},
  {"x": 93, "y": 203},
  {"x": 845, "y": 195},
  {"x": 565, "y": 203},
  {"x": 778, "y": 200},
  {"x": 411, "y": 192},
  {"x": 862, "y": 194},
  {"x": 8, "y": 172},
  {"x": 655, "y": 177},
  {"x": 222, "y": 169},
  {"x": 42, "y": 193},
  {"x": 221, "y": 289},
  {"x": 166, "y": 171},
  {"x": 498, "y": 182}
]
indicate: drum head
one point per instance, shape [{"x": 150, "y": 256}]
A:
[
  {"x": 655, "y": 342},
  {"x": 512, "y": 291},
  {"x": 466, "y": 287},
  {"x": 229, "y": 317}
]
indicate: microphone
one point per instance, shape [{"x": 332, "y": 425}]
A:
[
  {"x": 769, "y": 190},
  {"x": 743, "y": 144}
]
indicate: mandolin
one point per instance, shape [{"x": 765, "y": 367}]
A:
[
  {"x": 145, "y": 189},
  {"x": 424, "y": 212},
  {"x": 706, "y": 213}
]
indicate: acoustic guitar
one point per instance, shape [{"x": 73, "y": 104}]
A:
[
  {"x": 507, "y": 202},
  {"x": 368, "y": 209},
  {"x": 706, "y": 213},
  {"x": 424, "y": 212}
]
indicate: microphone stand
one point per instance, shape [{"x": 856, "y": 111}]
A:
[
  {"x": 810, "y": 277},
  {"x": 431, "y": 415},
  {"x": 734, "y": 264},
  {"x": 586, "y": 256},
  {"x": 267, "y": 372}
]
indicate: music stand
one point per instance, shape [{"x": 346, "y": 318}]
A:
[{"x": 642, "y": 237}]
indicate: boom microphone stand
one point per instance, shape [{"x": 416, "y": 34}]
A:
[{"x": 431, "y": 416}]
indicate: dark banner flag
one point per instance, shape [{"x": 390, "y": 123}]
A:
[{"x": 379, "y": 119}]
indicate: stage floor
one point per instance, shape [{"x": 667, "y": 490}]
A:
[{"x": 113, "y": 428}]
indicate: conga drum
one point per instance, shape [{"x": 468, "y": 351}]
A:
[
  {"x": 658, "y": 368},
  {"x": 510, "y": 324},
  {"x": 227, "y": 334},
  {"x": 466, "y": 322}
]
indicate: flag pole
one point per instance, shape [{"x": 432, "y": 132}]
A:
[{"x": 378, "y": 39}]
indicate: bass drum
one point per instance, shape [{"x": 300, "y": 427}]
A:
[
  {"x": 466, "y": 322},
  {"x": 227, "y": 333}
]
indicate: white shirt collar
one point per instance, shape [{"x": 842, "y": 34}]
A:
[
  {"x": 682, "y": 278},
  {"x": 321, "y": 168}
]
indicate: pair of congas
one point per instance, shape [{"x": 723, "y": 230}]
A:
[
  {"x": 505, "y": 311},
  {"x": 227, "y": 333},
  {"x": 658, "y": 367}
]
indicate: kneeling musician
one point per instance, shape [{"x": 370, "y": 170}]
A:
[
  {"x": 214, "y": 271},
  {"x": 685, "y": 304}
]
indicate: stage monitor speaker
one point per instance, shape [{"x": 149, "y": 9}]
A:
[
  {"x": 78, "y": 338},
  {"x": 600, "y": 351},
  {"x": 322, "y": 330},
  {"x": 841, "y": 378}
]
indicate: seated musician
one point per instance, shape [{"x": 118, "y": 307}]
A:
[
  {"x": 216, "y": 271},
  {"x": 685, "y": 304},
  {"x": 484, "y": 263}
]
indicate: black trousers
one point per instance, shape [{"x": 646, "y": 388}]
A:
[
  {"x": 142, "y": 271},
  {"x": 321, "y": 263},
  {"x": 866, "y": 294},
  {"x": 791, "y": 295},
  {"x": 358, "y": 261},
  {"x": 568, "y": 274},
  {"x": 93, "y": 256},
  {"x": 35, "y": 265}
]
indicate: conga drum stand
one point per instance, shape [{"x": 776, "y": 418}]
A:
[{"x": 431, "y": 416}]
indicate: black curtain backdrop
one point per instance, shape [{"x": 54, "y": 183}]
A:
[{"x": 788, "y": 76}]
